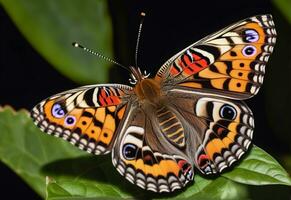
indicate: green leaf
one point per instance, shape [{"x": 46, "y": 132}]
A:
[
  {"x": 52, "y": 25},
  {"x": 221, "y": 188},
  {"x": 284, "y": 6},
  {"x": 26, "y": 150},
  {"x": 72, "y": 174},
  {"x": 259, "y": 168}
]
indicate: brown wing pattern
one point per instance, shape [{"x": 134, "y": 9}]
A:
[
  {"x": 143, "y": 158},
  {"x": 220, "y": 130}
]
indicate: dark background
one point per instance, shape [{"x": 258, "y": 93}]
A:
[{"x": 26, "y": 77}]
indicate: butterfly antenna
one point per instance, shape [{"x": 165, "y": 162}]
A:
[
  {"x": 75, "y": 44},
  {"x": 142, "y": 14}
]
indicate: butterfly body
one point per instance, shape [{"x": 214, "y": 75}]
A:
[{"x": 190, "y": 115}]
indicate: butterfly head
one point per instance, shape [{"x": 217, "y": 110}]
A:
[
  {"x": 145, "y": 88},
  {"x": 137, "y": 75}
]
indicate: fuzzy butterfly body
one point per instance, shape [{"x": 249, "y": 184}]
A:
[{"x": 189, "y": 115}]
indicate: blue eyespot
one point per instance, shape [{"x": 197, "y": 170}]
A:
[
  {"x": 227, "y": 112},
  {"x": 129, "y": 151},
  {"x": 249, "y": 51},
  {"x": 251, "y": 35},
  {"x": 70, "y": 120},
  {"x": 57, "y": 111}
]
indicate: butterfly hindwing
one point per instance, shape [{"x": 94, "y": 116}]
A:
[
  {"x": 146, "y": 160},
  {"x": 87, "y": 117},
  {"x": 229, "y": 133},
  {"x": 222, "y": 130},
  {"x": 230, "y": 62}
]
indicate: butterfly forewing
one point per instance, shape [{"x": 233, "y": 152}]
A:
[
  {"x": 87, "y": 117},
  {"x": 229, "y": 63}
]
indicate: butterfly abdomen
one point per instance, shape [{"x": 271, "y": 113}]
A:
[
  {"x": 171, "y": 126},
  {"x": 148, "y": 89}
]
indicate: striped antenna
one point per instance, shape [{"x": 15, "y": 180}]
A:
[
  {"x": 77, "y": 45},
  {"x": 142, "y": 14}
]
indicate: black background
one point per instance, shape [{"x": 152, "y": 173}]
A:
[{"x": 169, "y": 27}]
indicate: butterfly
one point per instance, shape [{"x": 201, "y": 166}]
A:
[{"x": 190, "y": 115}]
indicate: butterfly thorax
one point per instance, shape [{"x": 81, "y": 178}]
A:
[{"x": 148, "y": 89}]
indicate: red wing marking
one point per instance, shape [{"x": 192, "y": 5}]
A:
[
  {"x": 108, "y": 97},
  {"x": 188, "y": 64}
]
